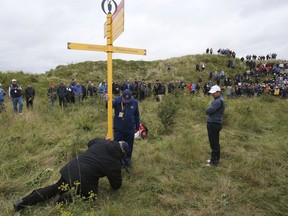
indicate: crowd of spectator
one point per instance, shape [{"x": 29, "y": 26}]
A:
[
  {"x": 227, "y": 52},
  {"x": 249, "y": 57},
  {"x": 268, "y": 77},
  {"x": 273, "y": 75},
  {"x": 260, "y": 57}
]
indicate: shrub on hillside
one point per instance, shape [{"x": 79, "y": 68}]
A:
[
  {"x": 267, "y": 98},
  {"x": 167, "y": 112}
]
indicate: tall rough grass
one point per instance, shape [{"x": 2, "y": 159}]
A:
[{"x": 169, "y": 176}]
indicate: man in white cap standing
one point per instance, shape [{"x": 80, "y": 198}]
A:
[
  {"x": 15, "y": 93},
  {"x": 215, "y": 114}
]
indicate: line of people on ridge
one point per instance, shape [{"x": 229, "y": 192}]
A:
[
  {"x": 261, "y": 57},
  {"x": 248, "y": 57},
  {"x": 76, "y": 92},
  {"x": 247, "y": 83}
]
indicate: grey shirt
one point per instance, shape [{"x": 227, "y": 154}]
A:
[{"x": 215, "y": 111}]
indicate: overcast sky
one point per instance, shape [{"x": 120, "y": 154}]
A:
[{"x": 34, "y": 33}]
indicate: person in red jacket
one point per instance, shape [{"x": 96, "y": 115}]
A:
[{"x": 102, "y": 158}]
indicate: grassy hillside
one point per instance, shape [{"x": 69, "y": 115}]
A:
[
  {"x": 182, "y": 68},
  {"x": 169, "y": 176}
]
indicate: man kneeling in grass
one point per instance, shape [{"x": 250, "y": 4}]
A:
[{"x": 102, "y": 158}]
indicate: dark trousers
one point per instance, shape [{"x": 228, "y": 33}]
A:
[
  {"x": 142, "y": 95},
  {"x": 29, "y": 103},
  {"x": 62, "y": 101},
  {"x": 58, "y": 192},
  {"x": 44, "y": 194},
  {"x": 129, "y": 138},
  {"x": 213, "y": 135}
]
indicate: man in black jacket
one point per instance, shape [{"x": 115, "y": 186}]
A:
[
  {"x": 29, "y": 94},
  {"x": 102, "y": 158},
  {"x": 62, "y": 92}
]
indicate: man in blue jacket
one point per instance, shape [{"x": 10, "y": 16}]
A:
[
  {"x": 126, "y": 120},
  {"x": 215, "y": 114},
  {"x": 78, "y": 93},
  {"x": 102, "y": 158}
]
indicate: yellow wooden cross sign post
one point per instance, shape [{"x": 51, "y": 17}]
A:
[{"x": 114, "y": 26}]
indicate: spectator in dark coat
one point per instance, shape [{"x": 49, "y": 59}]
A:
[
  {"x": 126, "y": 120},
  {"x": 51, "y": 92},
  {"x": 29, "y": 95},
  {"x": 102, "y": 158},
  {"x": 91, "y": 90},
  {"x": 62, "y": 92},
  {"x": 197, "y": 67},
  {"x": 116, "y": 88}
]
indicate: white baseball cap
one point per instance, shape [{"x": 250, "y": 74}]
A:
[
  {"x": 214, "y": 89},
  {"x": 14, "y": 80}
]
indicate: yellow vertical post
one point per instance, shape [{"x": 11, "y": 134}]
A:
[
  {"x": 109, "y": 76},
  {"x": 118, "y": 28}
]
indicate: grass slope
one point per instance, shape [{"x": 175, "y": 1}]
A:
[{"x": 169, "y": 176}]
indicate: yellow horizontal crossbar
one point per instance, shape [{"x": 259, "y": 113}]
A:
[
  {"x": 126, "y": 50},
  {"x": 88, "y": 47},
  {"x": 101, "y": 48}
]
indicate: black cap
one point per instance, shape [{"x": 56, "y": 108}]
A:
[{"x": 126, "y": 96}]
